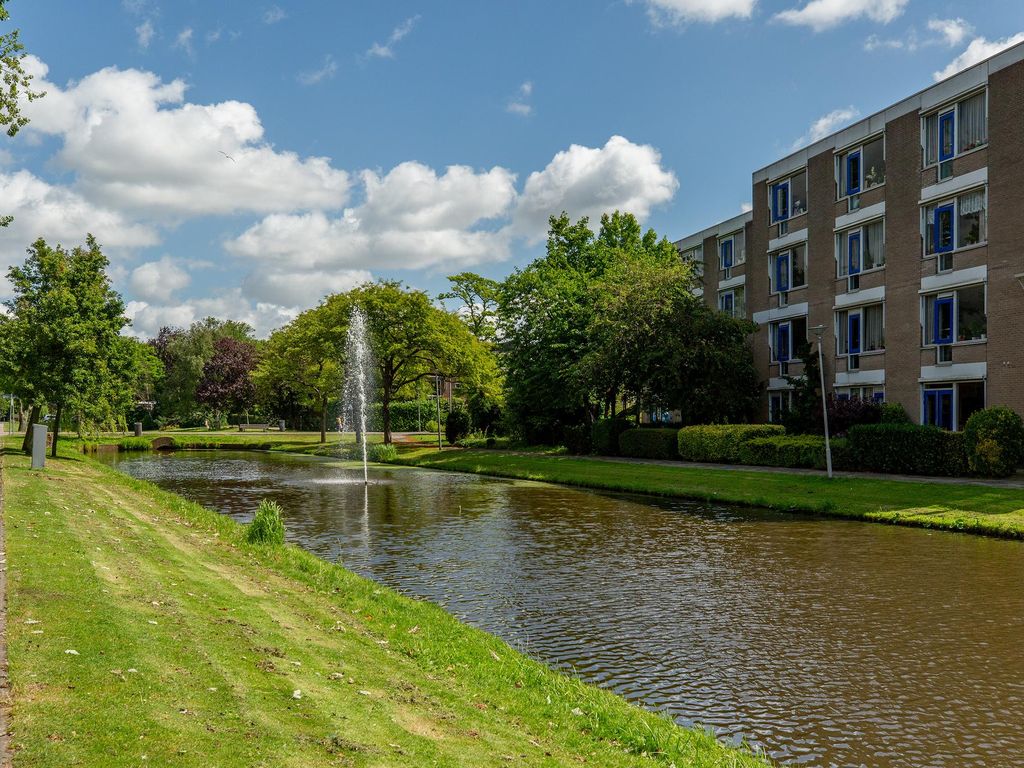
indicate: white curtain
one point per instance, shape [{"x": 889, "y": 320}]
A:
[
  {"x": 973, "y": 129},
  {"x": 874, "y": 337},
  {"x": 972, "y": 202}
]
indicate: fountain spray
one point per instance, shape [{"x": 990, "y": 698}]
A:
[{"x": 357, "y": 374}]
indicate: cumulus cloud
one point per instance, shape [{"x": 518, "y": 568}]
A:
[
  {"x": 520, "y": 103},
  {"x": 144, "y": 34},
  {"x": 326, "y": 72},
  {"x": 977, "y": 51},
  {"x": 158, "y": 280},
  {"x": 825, "y": 14},
  {"x": 825, "y": 125},
  {"x": 134, "y": 143},
  {"x": 586, "y": 181},
  {"x": 686, "y": 11},
  {"x": 386, "y": 50},
  {"x": 746, "y": 207},
  {"x": 951, "y": 31},
  {"x": 300, "y": 290},
  {"x": 147, "y": 319}
]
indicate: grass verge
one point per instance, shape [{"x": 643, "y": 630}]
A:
[
  {"x": 143, "y": 630},
  {"x": 960, "y": 507}
]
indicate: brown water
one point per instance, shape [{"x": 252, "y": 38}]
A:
[{"x": 828, "y": 643}]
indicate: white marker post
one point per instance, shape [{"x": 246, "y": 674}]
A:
[{"x": 38, "y": 446}]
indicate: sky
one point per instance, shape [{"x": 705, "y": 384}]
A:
[{"x": 243, "y": 159}]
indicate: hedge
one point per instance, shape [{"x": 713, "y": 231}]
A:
[
  {"x": 605, "y": 435},
  {"x": 994, "y": 441},
  {"x": 807, "y": 451},
  {"x": 407, "y": 415},
  {"x": 721, "y": 443},
  {"x": 578, "y": 439},
  {"x": 907, "y": 449},
  {"x": 650, "y": 444}
]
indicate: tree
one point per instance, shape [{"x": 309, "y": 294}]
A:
[
  {"x": 479, "y": 297},
  {"x": 63, "y": 329},
  {"x": 305, "y": 359},
  {"x": 412, "y": 339},
  {"x": 226, "y": 384}
]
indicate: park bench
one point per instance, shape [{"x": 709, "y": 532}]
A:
[{"x": 262, "y": 427}]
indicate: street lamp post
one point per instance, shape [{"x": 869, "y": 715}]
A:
[{"x": 819, "y": 331}]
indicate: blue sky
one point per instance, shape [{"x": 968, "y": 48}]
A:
[{"x": 243, "y": 159}]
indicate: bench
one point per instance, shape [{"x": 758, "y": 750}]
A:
[{"x": 261, "y": 427}]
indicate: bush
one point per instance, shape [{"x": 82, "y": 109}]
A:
[
  {"x": 430, "y": 426},
  {"x": 577, "y": 439},
  {"x": 486, "y": 441},
  {"x": 807, "y": 451},
  {"x": 381, "y": 453},
  {"x": 456, "y": 426},
  {"x": 604, "y": 435},
  {"x": 843, "y": 414},
  {"x": 266, "y": 527},
  {"x": 907, "y": 449},
  {"x": 994, "y": 441},
  {"x": 720, "y": 443},
  {"x": 894, "y": 413},
  {"x": 650, "y": 444},
  {"x": 406, "y": 415}
]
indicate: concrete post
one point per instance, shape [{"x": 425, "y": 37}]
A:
[
  {"x": 38, "y": 446},
  {"x": 280, "y": 425},
  {"x": 138, "y": 429}
]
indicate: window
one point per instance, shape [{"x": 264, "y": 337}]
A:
[
  {"x": 788, "y": 269},
  {"x": 788, "y": 198},
  {"x": 731, "y": 251},
  {"x": 861, "y": 249},
  {"x": 956, "y": 129},
  {"x": 779, "y": 402},
  {"x": 788, "y": 339},
  {"x": 953, "y": 224},
  {"x": 695, "y": 258},
  {"x": 950, "y": 405},
  {"x": 860, "y": 330},
  {"x": 733, "y": 302},
  {"x": 861, "y": 393},
  {"x": 725, "y": 255},
  {"x": 955, "y": 316},
  {"x": 861, "y": 168}
]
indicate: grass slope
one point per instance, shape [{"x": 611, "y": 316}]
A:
[
  {"x": 961, "y": 507},
  {"x": 190, "y": 647}
]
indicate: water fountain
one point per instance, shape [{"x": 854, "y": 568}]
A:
[{"x": 357, "y": 379}]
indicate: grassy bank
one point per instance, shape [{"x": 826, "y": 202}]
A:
[
  {"x": 961, "y": 507},
  {"x": 141, "y": 630}
]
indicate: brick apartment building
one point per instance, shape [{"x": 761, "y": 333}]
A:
[{"x": 893, "y": 239}]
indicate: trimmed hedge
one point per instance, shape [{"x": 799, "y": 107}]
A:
[
  {"x": 907, "y": 449},
  {"x": 994, "y": 441},
  {"x": 720, "y": 443},
  {"x": 650, "y": 444},
  {"x": 807, "y": 451},
  {"x": 604, "y": 435}
]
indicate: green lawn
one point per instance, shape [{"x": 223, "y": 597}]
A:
[
  {"x": 959, "y": 506},
  {"x": 142, "y": 631}
]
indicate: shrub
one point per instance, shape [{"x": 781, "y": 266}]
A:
[
  {"x": 485, "y": 441},
  {"x": 843, "y": 414},
  {"x": 577, "y": 439},
  {"x": 650, "y": 444},
  {"x": 430, "y": 426},
  {"x": 907, "y": 449},
  {"x": 381, "y": 453},
  {"x": 456, "y": 426},
  {"x": 807, "y": 451},
  {"x": 406, "y": 415},
  {"x": 894, "y": 413},
  {"x": 605, "y": 435},
  {"x": 266, "y": 527},
  {"x": 720, "y": 442},
  {"x": 994, "y": 441}
]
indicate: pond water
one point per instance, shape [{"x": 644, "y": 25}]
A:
[{"x": 826, "y": 642}]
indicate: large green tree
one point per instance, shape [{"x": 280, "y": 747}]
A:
[
  {"x": 478, "y": 296},
  {"x": 62, "y": 335}
]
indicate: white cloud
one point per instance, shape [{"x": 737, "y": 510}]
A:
[
  {"x": 685, "y": 11},
  {"x": 158, "y": 280},
  {"x": 274, "y": 14},
  {"x": 825, "y": 14},
  {"x": 184, "y": 41},
  {"x": 264, "y": 317},
  {"x": 144, "y": 34},
  {"x": 952, "y": 31},
  {"x": 874, "y": 42},
  {"x": 585, "y": 181},
  {"x": 325, "y": 72},
  {"x": 746, "y": 207},
  {"x": 519, "y": 104},
  {"x": 825, "y": 125},
  {"x": 135, "y": 144},
  {"x": 301, "y": 289},
  {"x": 977, "y": 51},
  {"x": 387, "y": 50}
]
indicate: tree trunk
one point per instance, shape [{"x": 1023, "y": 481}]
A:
[
  {"x": 385, "y": 415},
  {"x": 323, "y": 420},
  {"x": 33, "y": 417},
  {"x": 56, "y": 429}
]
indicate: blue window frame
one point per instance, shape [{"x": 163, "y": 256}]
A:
[
  {"x": 942, "y": 228},
  {"x": 843, "y": 396},
  {"x": 726, "y": 249},
  {"x": 782, "y": 351},
  {"x": 728, "y": 303},
  {"x": 943, "y": 321},
  {"x": 782, "y": 272},
  {"x": 937, "y": 407},
  {"x": 878, "y": 397},
  {"x": 780, "y": 201},
  {"x": 947, "y": 136},
  {"x": 853, "y": 173},
  {"x": 853, "y": 254},
  {"x": 853, "y": 334}
]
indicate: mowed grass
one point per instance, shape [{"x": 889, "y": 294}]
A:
[
  {"x": 143, "y": 631},
  {"x": 952, "y": 506}
]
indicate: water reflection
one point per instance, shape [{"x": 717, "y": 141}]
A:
[{"x": 830, "y": 643}]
